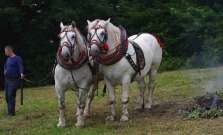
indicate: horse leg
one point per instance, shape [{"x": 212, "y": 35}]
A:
[
  {"x": 81, "y": 103},
  {"x": 111, "y": 101},
  {"x": 125, "y": 100},
  {"x": 152, "y": 78},
  {"x": 77, "y": 93},
  {"x": 90, "y": 97},
  {"x": 61, "y": 105},
  {"x": 140, "y": 100}
]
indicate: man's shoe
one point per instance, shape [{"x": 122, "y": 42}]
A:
[{"x": 10, "y": 115}]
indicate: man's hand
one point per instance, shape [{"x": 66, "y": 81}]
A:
[
  {"x": 4, "y": 72},
  {"x": 22, "y": 76}
]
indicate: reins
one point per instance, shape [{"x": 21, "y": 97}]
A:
[
  {"x": 44, "y": 79},
  {"x": 114, "y": 48},
  {"x": 27, "y": 80}
]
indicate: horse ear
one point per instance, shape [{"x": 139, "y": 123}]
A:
[
  {"x": 73, "y": 24},
  {"x": 88, "y": 22},
  {"x": 106, "y": 22},
  {"x": 61, "y": 25}
]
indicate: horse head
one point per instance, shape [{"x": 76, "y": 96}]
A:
[
  {"x": 67, "y": 41},
  {"x": 97, "y": 36}
]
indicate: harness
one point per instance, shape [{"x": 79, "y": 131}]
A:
[
  {"x": 140, "y": 59},
  {"x": 83, "y": 58},
  {"x": 100, "y": 44},
  {"x": 120, "y": 50}
]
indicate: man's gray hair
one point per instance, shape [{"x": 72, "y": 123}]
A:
[{"x": 9, "y": 47}]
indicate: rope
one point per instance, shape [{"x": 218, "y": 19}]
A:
[{"x": 49, "y": 74}]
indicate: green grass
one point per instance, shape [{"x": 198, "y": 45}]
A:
[{"x": 39, "y": 114}]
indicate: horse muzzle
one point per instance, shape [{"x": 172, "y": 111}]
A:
[
  {"x": 94, "y": 51},
  {"x": 65, "y": 54}
]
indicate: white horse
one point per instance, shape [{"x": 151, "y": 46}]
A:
[
  {"x": 73, "y": 72},
  {"x": 121, "y": 72}
]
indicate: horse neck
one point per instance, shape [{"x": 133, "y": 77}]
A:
[
  {"x": 76, "y": 53},
  {"x": 113, "y": 36},
  {"x": 79, "y": 46}
]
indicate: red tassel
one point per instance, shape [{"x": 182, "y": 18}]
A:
[
  {"x": 59, "y": 51},
  {"x": 77, "y": 29},
  {"x": 59, "y": 34},
  {"x": 106, "y": 47},
  {"x": 158, "y": 40}
]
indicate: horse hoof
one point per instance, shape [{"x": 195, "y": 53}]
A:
[
  {"x": 124, "y": 119},
  {"x": 110, "y": 119},
  {"x": 61, "y": 125},
  {"x": 148, "y": 109},
  {"x": 139, "y": 109},
  {"x": 80, "y": 125}
]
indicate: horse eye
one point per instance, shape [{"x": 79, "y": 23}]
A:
[{"x": 72, "y": 36}]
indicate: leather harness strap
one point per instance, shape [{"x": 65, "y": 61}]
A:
[
  {"x": 75, "y": 64},
  {"x": 83, "y": 58},
  {"x": 99, "y": 44},
  {"x": 139, "y": 58},
  {"x": 75, "y": 84},
  {"x": 91, "y": 68},
  {"x": 120, "y": 51}
]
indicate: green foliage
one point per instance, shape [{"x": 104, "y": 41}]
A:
[
  {"x": 199, "y": 113},
  {"x": 195, "y": 114},
  {"x": 213, "y": 113},
  {"x": 200, "y": 109},
  {"x": 193, "y": 62},
  {"x": 39, "y": 114},
  {"x": 170, "y": 63},
  {"x": 191, "y": 31},
  {"x": 203, "y": 30}
]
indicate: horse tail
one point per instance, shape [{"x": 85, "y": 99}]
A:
[{"x": 158, "y": 40}]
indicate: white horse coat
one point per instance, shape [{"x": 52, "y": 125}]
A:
[
  {"x": 122, "y": 72},
  {"x": 63, "y": 77}
]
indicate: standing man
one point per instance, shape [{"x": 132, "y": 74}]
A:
[{"x": 13, "y": 71}]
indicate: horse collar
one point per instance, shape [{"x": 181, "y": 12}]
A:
[
  {"x": 83, "y": 58},
  {"x": 119, "y": 53}
]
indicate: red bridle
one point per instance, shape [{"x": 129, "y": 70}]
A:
[
  {"x": 99, "y": 44},
  {"x": 67, "y": 44}
]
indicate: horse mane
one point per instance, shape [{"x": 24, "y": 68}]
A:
[
  {"x": 93, "y": 23},
  {"x": 113, "y": 31},
  {"x": 79, "y": 40}
]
